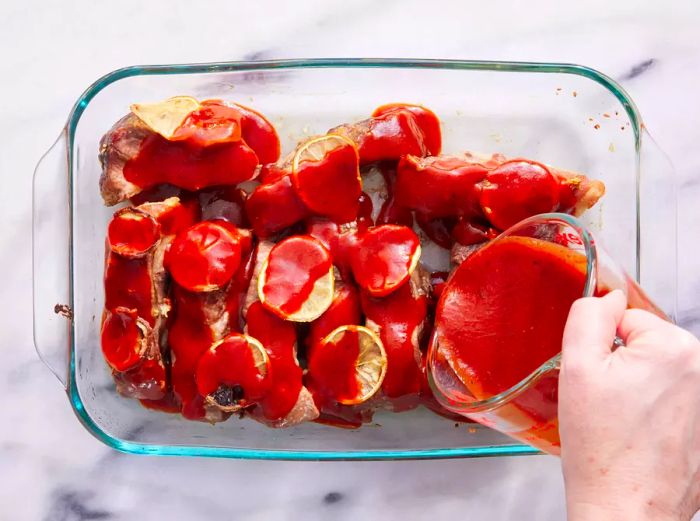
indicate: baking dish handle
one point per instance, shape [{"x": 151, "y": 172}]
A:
[{"x": 50, "y": 259}]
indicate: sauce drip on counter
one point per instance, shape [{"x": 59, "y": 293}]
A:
[
  {"x": 279, "y": 339},
  {"x": 503, "y": 311},
  {"x": 293, "y": 267}
]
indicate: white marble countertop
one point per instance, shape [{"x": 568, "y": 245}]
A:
[{"x": 52, "y": 469}]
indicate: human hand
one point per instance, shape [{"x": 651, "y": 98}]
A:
[{"x": 629, "y": 419}]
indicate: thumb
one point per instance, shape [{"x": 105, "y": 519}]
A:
[{"x": 591, "y": 327}]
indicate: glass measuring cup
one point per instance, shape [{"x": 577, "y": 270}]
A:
[{"x": 527, "y": 410}]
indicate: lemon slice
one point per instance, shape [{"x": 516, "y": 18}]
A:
[
  {"x": 260, "y": 358},
  {"x": 165, "y": 117},
  {"x": 317, "y": 148},
  {"x": 296, "y": 280},
  {"x": 371, "y": 363},
  {"x": 319, "y": 300},
  {"x": 223, "y": 398}
]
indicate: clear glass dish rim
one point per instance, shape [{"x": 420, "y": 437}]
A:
[{"x": 317, "y": 63}]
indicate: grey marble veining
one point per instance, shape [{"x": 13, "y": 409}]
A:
[{"x": 51, "y": 469}]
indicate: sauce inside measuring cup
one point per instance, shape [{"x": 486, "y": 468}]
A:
[
  {"x": 502, "y": 314},
  {"x": 500, "y": 317}
]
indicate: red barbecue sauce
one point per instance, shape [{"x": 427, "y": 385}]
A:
[
  {"x": 205, "y": 256},
  {"x": 173, "y": 214},
  {"x": 390, "y": 136},
  {"x": 331, "y": 372},
  {"x": 293, "y": 267},
  {"x": 257, "y": 132},
  {"x": 345, "y": 310},
  {"x": 272, "y": 172},
  {"x": 212, "y": 123},
  {"x": 188, "y": 165},
  {"x": 132, "y": 232},
  {"x": 503, "y": 312},
  {"x": 384, "y": 257},
  {"x": 426, "y": 120},
  {"x": 469, "y": 233},
  {"x": 338, "y": 242},
  {"x": 231, "y": 363},
  {"x": 217, "y": 144},
  {"x": 189, "y": 336},
  {"x": 128, "y": 284},
  {"x": 516, "y": 190},
  {"x": 391, "y": 212},
  {"x": 191, "y": 332},
  {"x": 121, "y": 339},
  {"x": 273, "y": 207},
  {"x": 398, "y": 318},
  {"x": 331, "y": 187},
  {"x": 444, "y": 186},
  {"x": 438, "y": 230},
  {"x": 285, "y": 376}
]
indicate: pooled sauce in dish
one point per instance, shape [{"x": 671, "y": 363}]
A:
[{"x": 503, "y": 312}]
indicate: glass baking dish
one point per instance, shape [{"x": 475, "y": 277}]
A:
[{"x": 566, "y": 115}]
